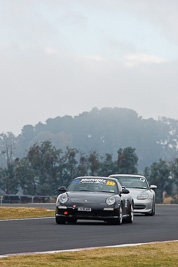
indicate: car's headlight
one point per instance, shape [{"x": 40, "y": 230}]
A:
[
  {"x": 62, "y": 199},
  {"x": 110, "y": 200},
  {"x": 143, "y": 196}
]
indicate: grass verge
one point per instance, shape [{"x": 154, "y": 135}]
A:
[
  {"x": 24, "y": 212},
  {"x": 157, "y": 255}
]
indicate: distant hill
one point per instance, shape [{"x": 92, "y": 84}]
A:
[{"x": 105, "y": 131}]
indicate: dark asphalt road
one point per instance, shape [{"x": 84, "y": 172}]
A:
[{"x": 38, "y": 235}]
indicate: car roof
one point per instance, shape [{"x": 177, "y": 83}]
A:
[
  {"x": 127, "y": 175},
  {"x": 96, "y": 177}
]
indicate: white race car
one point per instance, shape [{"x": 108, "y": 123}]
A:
[{"x": 142, "y": 194}]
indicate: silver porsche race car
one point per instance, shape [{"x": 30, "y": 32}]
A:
[{"x": 142, "y": 194}]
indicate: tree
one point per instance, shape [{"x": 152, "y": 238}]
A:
[
  {"x": 158, "y": 173},
  {"x": 43, "y": 161},
  {"x": 107, "y": 166},
  {"x": 82, "y": 168},
  {"x": 26, "y": 176},
  {"x": 174, "y": 171},
  {"x": 126, "y": 161},
  {"x": 70, "y": 166},
  {"x": 94, "y": 163},
  {"x": 7, "y": 147},
  {"x": 8, "y": 180}
]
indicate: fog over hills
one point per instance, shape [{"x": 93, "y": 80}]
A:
[{"x": 104, "y": 131}]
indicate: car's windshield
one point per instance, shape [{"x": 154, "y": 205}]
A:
[
  {"x": 94, "y": 185},
  {"x": 133, "y": 182}
]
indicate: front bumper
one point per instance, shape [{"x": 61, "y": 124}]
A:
[
  {"x": 142, "y": 206},
  {"x": 94, "y": 214}
]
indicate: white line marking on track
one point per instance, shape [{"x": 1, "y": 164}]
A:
[
  {"x": 80, "y": 249},
  {"x": 26, "y": 219}
]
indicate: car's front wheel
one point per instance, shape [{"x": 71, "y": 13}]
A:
[
  {"x": 152, "y": 210},
  {"x": 131, "y": 214},
  {"x": 120, "y": 215},
  {"x": 60, "y": 220},
  {"x": 119, "y": 220}
]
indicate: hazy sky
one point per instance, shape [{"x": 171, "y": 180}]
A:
[{"x": 64, "y": 57}]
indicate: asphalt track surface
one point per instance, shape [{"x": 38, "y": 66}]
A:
[{"x": 40, "y": 235}]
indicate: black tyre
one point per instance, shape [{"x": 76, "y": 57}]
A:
[
  {"x": 152, "y": 213},
  {"x": 131, "y": 214},
  {"x": 60, "y": 220},
  {"x": 120, "y": 215},
  {"x": 153, "y": 209},
  {"x": 120, "y": 218}
]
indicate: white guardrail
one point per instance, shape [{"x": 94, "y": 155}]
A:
[{"x": 9, "y": 198}]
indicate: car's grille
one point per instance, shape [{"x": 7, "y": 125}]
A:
[
  {"x": 139, "y": 207},
  {"x": 93, "y": 213}
]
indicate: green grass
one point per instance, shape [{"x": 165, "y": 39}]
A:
[
  {"x": 23, "y": 212},
  {"x": 160, "y": 254}
]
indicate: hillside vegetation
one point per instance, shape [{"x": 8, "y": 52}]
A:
[
  {"x": 104, "y": 131},
  {"x": 99, "y": 143}
]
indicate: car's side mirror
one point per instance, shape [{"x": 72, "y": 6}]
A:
[
  {"x": 125, "y": 191},
  {"x": 153, "y": 186},
  {"x": 62, "y": 189}
]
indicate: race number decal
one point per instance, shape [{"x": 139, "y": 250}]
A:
[{"x": 110, "y": 183}]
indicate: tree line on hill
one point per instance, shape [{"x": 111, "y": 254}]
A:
[
  {"x": 44, "y": 168},
  {"x": 103, "y": 131}
]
